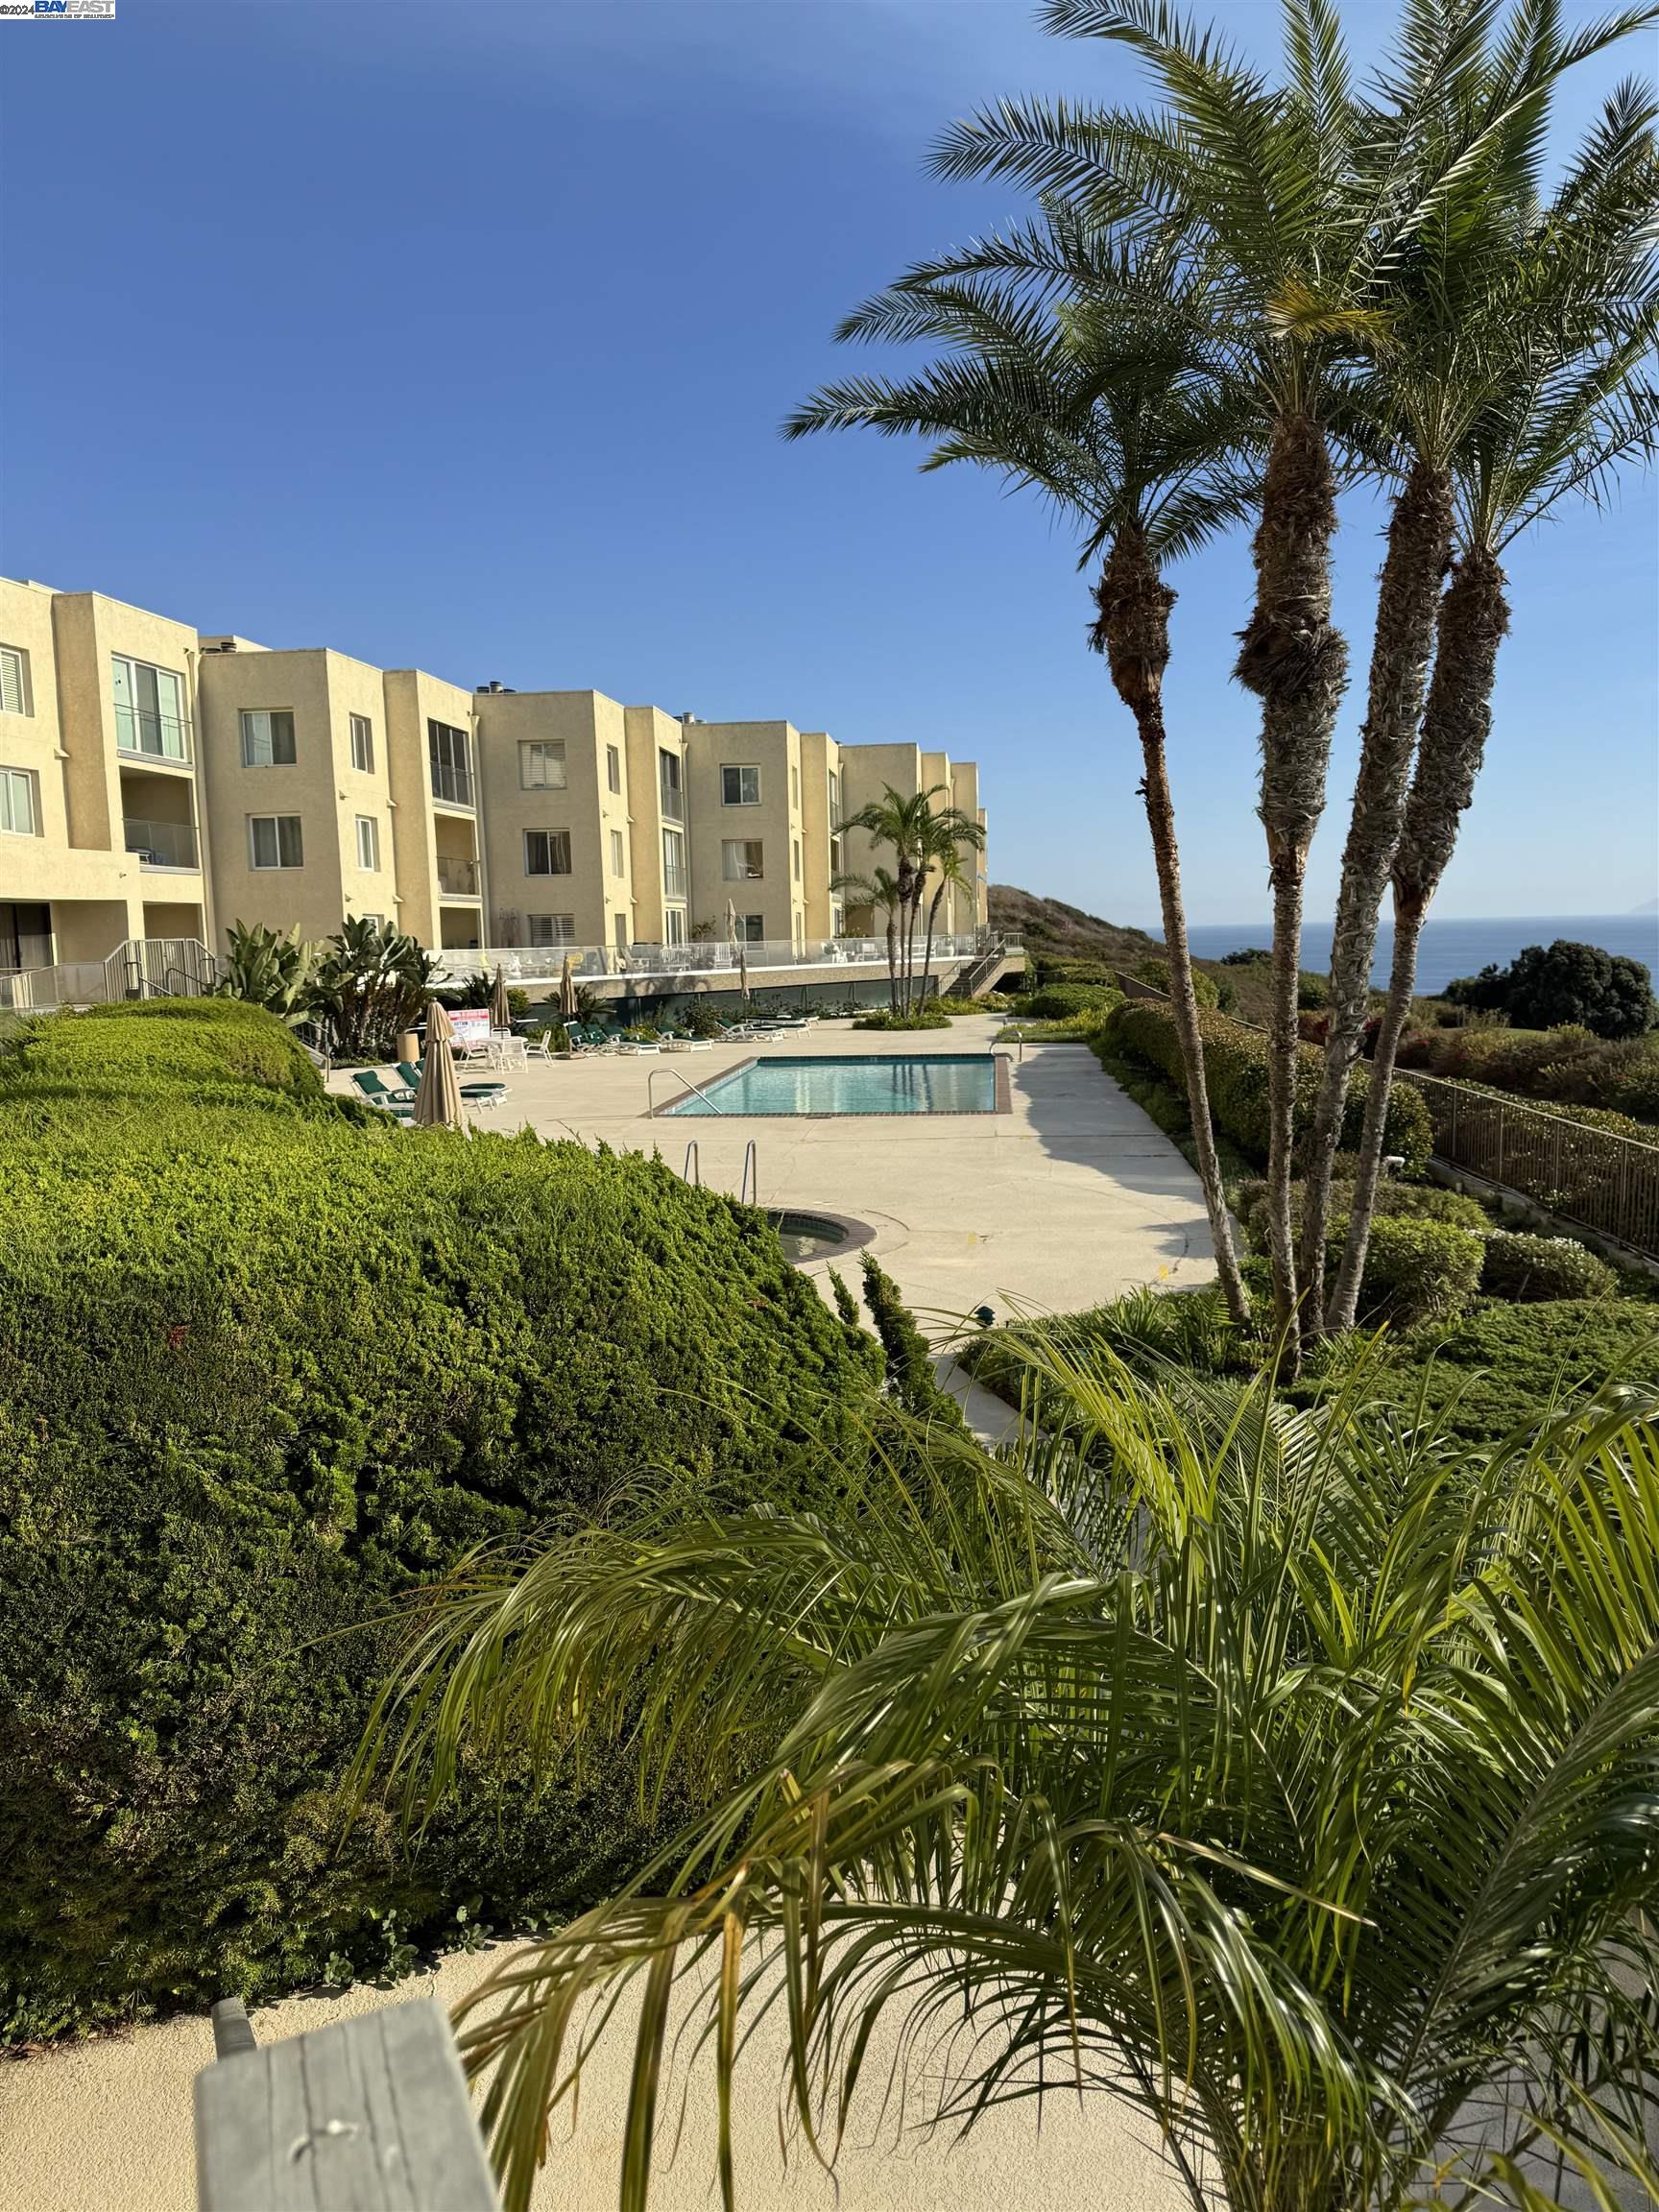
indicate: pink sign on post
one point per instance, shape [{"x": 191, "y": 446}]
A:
[{"x": 470, "y": 1025}]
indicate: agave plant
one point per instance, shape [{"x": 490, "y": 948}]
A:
[
  {"x": 270, "y": 967},
  {"x": 1291, "y": 1777}
]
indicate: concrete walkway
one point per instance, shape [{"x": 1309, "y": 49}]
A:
[{"x": 1067, "y": 1199}]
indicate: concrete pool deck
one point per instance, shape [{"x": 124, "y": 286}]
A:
[{"x": 1070, "y": 1197}]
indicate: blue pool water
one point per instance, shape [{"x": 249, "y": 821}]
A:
[{"x": 895, "y": 1083}]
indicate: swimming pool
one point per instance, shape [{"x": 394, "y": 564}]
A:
[{"x": 885, "y": 1082}]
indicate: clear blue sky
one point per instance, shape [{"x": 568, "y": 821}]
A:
[{"x": 458, "y": 336}]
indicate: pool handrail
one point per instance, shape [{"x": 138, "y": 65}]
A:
[
  {"x": 692, "y": 1171},
  {"x": 749, "y": 1188},
  {"x": 696, "y": 1089}
]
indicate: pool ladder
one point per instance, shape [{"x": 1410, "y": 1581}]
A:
[
  {"x": 685, "y": 1083},
  {"x": 748, "y": 1191}
]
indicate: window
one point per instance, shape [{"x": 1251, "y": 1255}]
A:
[
  {"x": 547, "y": 852},
  {"x": 752, "y": 928},
  {"x": 674, "y": 917},
  {"x": 612, "y": 769},
  {"x": 835, "y": 800},
  {"x": 619, "y": 931},
  {"x": 150, "y": 711},
  {"x": 18, "y": 812},
  {"x": 618, "y": 861},
  {"x": 363, "y": 744},
  {"x": 374, "y": 920},
  {"x": 268, "y": 740},
  {"x": 795, "y": 788},
  {"x": 541, "y": 767},
  {"x": 673, "y": 864},
  {"x": 368, "y": 843},
  {"x": 449, "y": 752},
  {"x": 797, "y": 859},
  {"x": 274, "y": 841},
  {"x": 742, "y": 859},
  {"x": 740, "y": 786},
  {"x": 15, "y": 695},
  {"x": 668, "y": 783},
  {"x": 552, "y": 929}
]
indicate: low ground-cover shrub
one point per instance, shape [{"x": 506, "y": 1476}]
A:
[
  {"x": 1420, "y": 1202},
  {"x": 919, "y": 1018},
  {"x": 1235, "y": 1070},
  {"x": 262, "y": 1374},
  {"x": 956, "y": 1007},
  {"x": 1534, "y": 1268}
]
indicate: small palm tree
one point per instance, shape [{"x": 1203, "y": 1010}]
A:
[
  {"x": 880, "y": 892},
  {"x": 1288, "y": 1776},
  {"x": 909, "y": 825},
  {"x": 1570, "y": 401}
]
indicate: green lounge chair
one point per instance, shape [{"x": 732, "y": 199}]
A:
[
  {"x": 380, "y": 1093},
  {"x": 484, "y": 1093}
]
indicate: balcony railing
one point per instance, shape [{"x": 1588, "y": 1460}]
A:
[
  {"x": 459, "y": 877},
  {"x": 713, "y": 955},
  {"x": 451, "y": 784},
  {"x": 162, "y": 844},
  {"x": 674, "y": 883},
  {"x": 673, "y": 802},
  {"x": 151, "y": 737}
]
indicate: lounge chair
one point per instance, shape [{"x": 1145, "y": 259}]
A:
[
  {"x": 380, "y": 1094},
  {"x": 683, "y": 1041},
  {"x": 476, "y": 1093}
]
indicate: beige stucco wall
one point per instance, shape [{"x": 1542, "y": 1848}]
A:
[
  {"x": 774, "y": 748},
  {"x": 422, "y": 825},
  {"x": 585, "y": 723},
  {"x": 820, "y": 759},
  {"x": 651, "y": 733}
]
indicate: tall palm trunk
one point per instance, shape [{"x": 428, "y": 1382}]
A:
[
  {"x": 1133, "y": 631},
  {"x": 928, "y": 955},
  {"x": 893, "y": 958},
  {"x": 1407, "y": 598},
  {"x": 1294, "y": 660},
  {"x": 1456, "y": 721}
]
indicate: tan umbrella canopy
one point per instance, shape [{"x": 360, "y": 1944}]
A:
[
  {"x": 739, "y": 942},
  {"x": 438, "y": 1101},
  {"x": 500, "y": 1013},
  {"x": 567, "y": 989}
]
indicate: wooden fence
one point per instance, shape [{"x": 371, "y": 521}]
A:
[{"x": 1589, "y": 1176}]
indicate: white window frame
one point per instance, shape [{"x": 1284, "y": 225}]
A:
[
  {"x": 548, "y": 930},
  {"x": 545, "y": 752},
  {"x": 362, "y": 744},
  {"x": 449, "y": 753},
  {"x": 676, "y": 882},
  {"x": 620, "y": 932},
  {"x": 618, "y": 855},
  {"x": 752, "y": 928},
  {"x": 369, "y": 849},
  {"x": 12, "y": 782},
  {"x": 795, "y": 787},
  {"x": 136, "y": 712},
  {"x": 674, "y": 924},
  {"x": 254, "y": 737},
  {"x": 551, "y": 835},
  {"x": 14, "y": 663},
  {"x": 797, "y": 859},
  {"x": 269, "y": 867},
  {"x": 742, "y": 871},
  {"x": 614, "y": 769},
  {"x": 739, "y": 769}
]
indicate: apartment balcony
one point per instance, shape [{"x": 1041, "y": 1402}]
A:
[
  {"x": 674, "y": 882},
  {"x": 162, "y": 845},
  {"x": 158, "y": 740},
  {"x": 453, "y": 785},
  {"x": 673, "y": 801},
  {"x": 457, "y": 878}
]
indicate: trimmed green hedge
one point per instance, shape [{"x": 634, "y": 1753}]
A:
[
  {"x": 1063, "y": 1002},
  {"x": 1533, "y": 1268},
  {"x": 1415, "y": 1270},
  {"x": 263, "y": 1371},
  {"x": 1420, "y": 1202},
  {"x": 1236, "y": 1070}
]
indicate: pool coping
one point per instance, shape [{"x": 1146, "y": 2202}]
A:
[{"x": 1002, "y": 1100}]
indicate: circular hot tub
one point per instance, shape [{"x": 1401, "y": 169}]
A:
[{"x": 807, "y": 1236}]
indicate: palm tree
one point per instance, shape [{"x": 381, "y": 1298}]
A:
[
  {"x": 1458, "y": 288},
  {"x": 1114, "y": 422},
  {"x": 946, "y": 872},
  {"x": 880, "y": 891},
  {"x": 1287, "y": 1776},
  {"x": 945, "y": 837},
  {"x": 1299, "y": 202},
  {"x": 907, "y": 823},
  {"x": 1569, "y": 408}
]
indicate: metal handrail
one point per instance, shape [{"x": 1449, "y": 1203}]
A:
[
  {"x": 692, "y": 1171},
  {"x": 749, "y": 1188},
  {"x": 696, "y": 1090}
]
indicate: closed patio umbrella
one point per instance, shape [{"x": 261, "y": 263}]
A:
[
  {"x": 500, "y": 1013},
  {"x": 567, "y": 989},
  {"x": 742, "y": 955},
  {"x": 438, "y": 1101}
]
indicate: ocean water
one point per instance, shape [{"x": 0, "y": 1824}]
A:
[{"x": 1448, "y": 948}]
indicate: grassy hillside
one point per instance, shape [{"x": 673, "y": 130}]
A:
[{"x": 1056, "y": 931}]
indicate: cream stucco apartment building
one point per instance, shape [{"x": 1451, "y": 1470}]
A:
[{"x": 159, "y": 783}]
